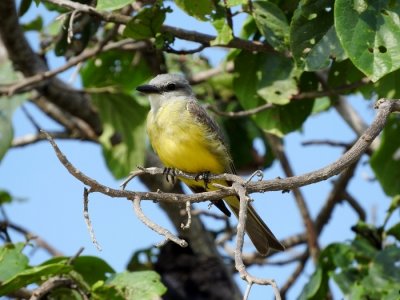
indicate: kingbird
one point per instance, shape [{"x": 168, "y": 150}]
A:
[{"x": 186, "y": 138}]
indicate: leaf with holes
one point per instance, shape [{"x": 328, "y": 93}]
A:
[
  {"x": 313, "y": 38},
  {"x": 272, "y": 23},
  {"x": 369, "y": 33},
  {"x": 261, "y": 76}
]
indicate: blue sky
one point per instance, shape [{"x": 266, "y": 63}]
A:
[{"x": 53, "y": 198}]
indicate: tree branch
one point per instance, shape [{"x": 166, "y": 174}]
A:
[
  {"x": 385, "y": 108},
  {"x": 183, "y": 34},
  {"x": 29, "y": 63}
]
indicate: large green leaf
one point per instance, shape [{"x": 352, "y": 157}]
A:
[
  {"x": 369, "y": 33},
  {"x": 12, "y": 261},
  {"x": 120, "y": 71},
  {"x": 272, "y": 23},
  {"x": 386, "y": 159},
  {"x": 124, "y": 135},
  {"x": 7, "y": 107},
  {"x": 316, "y": 287},
  {"x": 92, "y": 268},
  {"x": 112, "y": 4},
  {"x": 270, "y": 78},
  {"x": 32, "y": 275},
  {"x": 200, "y": 9},
  {"x": 313, "y": 37},
  {"x": 142, "y": 285},
  {"x": 146, "y": 24}
]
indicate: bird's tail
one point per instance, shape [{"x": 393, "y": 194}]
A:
[{"x": 259, "y": 233}]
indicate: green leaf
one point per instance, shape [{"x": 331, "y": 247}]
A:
[
  {"x": 345, "y": 73},
  {"x": 231, "y": 3},
  {"x": 7, "y": 107},
  {"x": 394, "y": 231},
  {"x": 346, "y": 279},
  {"x": 120, "y": 71},
  {"x": 369, "y": 33},
  {"x": 142, "y": 285},
  {"x": 86, "y": 28},
  {"x": 101, "y": 291},
  {"x": 264, "y": 75},
  {"x": 200, "y": 9},
  {"x": 32, "y": 275},
  {"x": 269, "y": 77},
  {"x": 92, "y": 268},
  {"x": 321, "y": 104},
  {"x": 35, "y": 24},
  {"x": 272, "y": 23},
  {"x": 146, "y": 24},
  {"x": 23, "y": 7},
  {"x": 5, "y": 197},
  {"x": 384, "y": 274},
  {"x": 278, "y": 83},
  {"x": 225, "y": 34},
  {"x": 385, "y": 161},
  {"x": 317, "y": 286},
  {"x": 313, "y": 37},
  {"x": 112, "y": 4},
  {"x": 124, "y": 136},
  {"x": 12, "y": 261},
  {"x": 388, "y": 86}
]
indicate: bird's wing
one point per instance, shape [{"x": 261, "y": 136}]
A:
[{"x": 214, "y": 131}]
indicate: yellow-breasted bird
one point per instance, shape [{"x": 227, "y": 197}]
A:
[{"x": 186, "y": 138}]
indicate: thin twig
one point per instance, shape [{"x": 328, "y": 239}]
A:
[
  {"x": 32, "y": 236},
  {"x": 189, "y": 216},
  {"x": 355, "y": 205},
  {"x": 183, "y": 34},
  {"x": 157, "y": 228},
  {"x": 39, "y": 78},
  {"x": 239, "y": 265},
  {"x": 87, "y": 218},
  {"x": 49, "y": 285}
]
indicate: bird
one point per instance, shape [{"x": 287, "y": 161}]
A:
[{"x": 186, "y": 138}]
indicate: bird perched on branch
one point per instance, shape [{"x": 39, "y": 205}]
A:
[{"x": 186, "y": 138}]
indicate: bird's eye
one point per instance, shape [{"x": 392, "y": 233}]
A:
[{"x": 171, "y": 86}]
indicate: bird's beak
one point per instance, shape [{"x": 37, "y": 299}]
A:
[{"x": 148, "y": 89}]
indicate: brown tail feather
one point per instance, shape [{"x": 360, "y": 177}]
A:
[{"x": 259, "y": 233}]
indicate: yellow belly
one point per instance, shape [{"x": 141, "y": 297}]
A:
[{"x": 183, "y": 143}]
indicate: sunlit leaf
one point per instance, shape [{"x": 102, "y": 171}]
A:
[
  {"x": 272, "y": 23},
  {"x": 142, "y": 285},
  {"x": 369, "y": 32},
  {"x": 112, "y": 4},
  {"x": 313, "y": 37}
]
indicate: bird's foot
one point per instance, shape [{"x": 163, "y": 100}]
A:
[
  {"x": 205, "y": 176},
  {"x": 170, "y": 174}
]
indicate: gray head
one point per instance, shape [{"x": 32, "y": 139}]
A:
[{"x": 166, "y": 87}]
